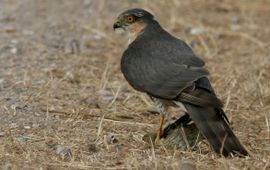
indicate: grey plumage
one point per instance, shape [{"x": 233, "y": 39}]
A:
[
  {"x": 165, "y": 67},
  {"x": 159, "y": 64}
]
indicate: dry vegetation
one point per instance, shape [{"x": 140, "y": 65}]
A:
[{"x": 65, "y": 105}]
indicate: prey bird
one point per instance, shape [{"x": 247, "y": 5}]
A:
[{"x": 167, "y": 69}]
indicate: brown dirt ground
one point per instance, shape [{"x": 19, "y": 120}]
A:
[{"x": 61, "y": 90}]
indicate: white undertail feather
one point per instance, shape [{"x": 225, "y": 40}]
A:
[{"x": 181, "y": 105}]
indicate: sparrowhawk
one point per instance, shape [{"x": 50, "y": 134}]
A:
[{"x": 167, "y": 69}]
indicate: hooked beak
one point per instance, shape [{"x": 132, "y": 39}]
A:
[{"x": 117, "y": 25}]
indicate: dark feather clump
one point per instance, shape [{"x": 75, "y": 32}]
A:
[{"x": 201, "y": 98}]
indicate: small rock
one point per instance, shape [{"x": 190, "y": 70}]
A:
[
  {"x": 23, "y": 138},
  {"x": 235, "y": 23},
  {"x": 235, "y": 20},
  {"x": 107, "y": 98},
  {"x": 27, "y": 127},
  {"x": 2, "y": 133},
  {"x": 35, "y": 125},
  {"x": 72, "y": 78},
  {"x": 111, "y": 138},
  {"x": 13, "y": 125},
  {"x": 90, "y": 102},
  {"x": 63, "y": 151},
  {"x": 106, "y": 94},
  {"x": 197, "y": 31},
  {"x": 14, "y": 50},
  {"x": 27, "y": 32}
]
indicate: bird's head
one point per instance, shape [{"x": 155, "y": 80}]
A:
[{"x": 133, "y": 21}]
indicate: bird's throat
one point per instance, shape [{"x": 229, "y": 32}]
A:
[{"x": 135, "y": 29}]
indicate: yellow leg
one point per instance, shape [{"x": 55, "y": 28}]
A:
[{"x": 160, "y": 131}]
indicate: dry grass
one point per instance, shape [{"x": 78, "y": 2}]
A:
[{"x": 61, "y": 87}]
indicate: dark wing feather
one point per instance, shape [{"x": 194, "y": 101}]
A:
[
  {"x": 202, "y": 95},
  {"x": 205, "y": 109},
  {"x": 216, "y": 130},
  {"x": 161, "y": 67},
  {"x": 201, "y": 98}
]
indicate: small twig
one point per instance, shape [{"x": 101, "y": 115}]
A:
[
  {"x": 185, "y": 137},
  {"x": 204, "y": 44},
  {"x": 104, "y": 79},
  {"x": 197, "y": 140},
  {"x": 215, "y": 46},
  {"x": 115, "y": 96},
  {"x": 142, "y": 97},
  {"x": 267, "y": 124},
  {"x": 266, "y": 164},
  {"x": 223, "y": 144},
  {"x": 100, "y": 126},
  {"x": 153, "y": 153},
  {"x": 128, "y": 97},
  {"x": 227, "y": 101}
]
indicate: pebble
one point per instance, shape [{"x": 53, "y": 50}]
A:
[
  {"x": 2, "y": 133},
  {"x": 13, "y": 125},
  {"x": 111, "y": 138},
  {"x": 23, "y": 138},
  {"x": 14, "y": 50},
  {"x": 28, "y": 32},
  {"x": 235, "y": 23},
  {"x": 197, "y": 31},
  {"x": 61, "y": 150},
  {"x": 106, "y": 94},
  {"x": 235, "y": 20},
  {"x": 27, "y": 127}
]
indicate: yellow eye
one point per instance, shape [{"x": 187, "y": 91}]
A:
[{"x": 129, "y": 18}]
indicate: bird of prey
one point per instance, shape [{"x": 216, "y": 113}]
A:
[{"x": 167, "y": 69}]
